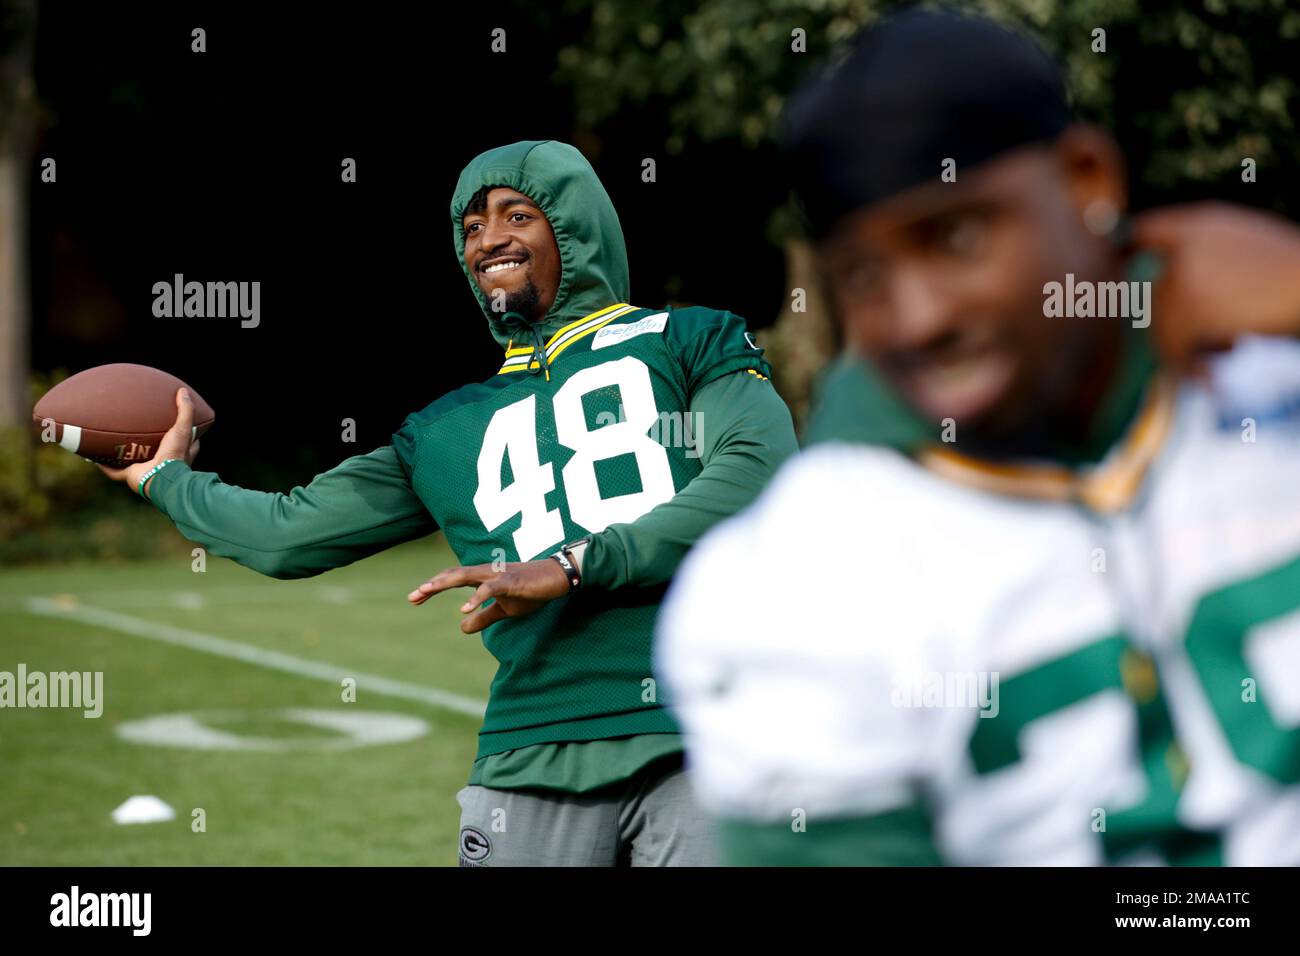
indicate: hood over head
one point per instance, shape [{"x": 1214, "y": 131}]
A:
[{"x": 593, "y": 256}]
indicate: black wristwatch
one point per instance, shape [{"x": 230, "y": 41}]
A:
[{"x": 569, "y": 558}]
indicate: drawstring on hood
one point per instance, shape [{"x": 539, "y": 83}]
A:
[
  {"x": 522, "y": 327},
  {"x": 593, "y": 255}
]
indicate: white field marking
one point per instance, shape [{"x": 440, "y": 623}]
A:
[
  {"x": 188, "y": 600},
  {"x": 233, "y": 594},
  {"x": 249, "y": 654},
  {"x": 364, "y": 728}
]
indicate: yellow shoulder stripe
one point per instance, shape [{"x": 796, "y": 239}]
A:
[{"x": 517, "y": 359}]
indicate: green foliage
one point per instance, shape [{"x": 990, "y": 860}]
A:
[
  {"x": 37, "y": 478},
  {"x": 1189, "y": 91}
]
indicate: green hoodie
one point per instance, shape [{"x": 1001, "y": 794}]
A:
[
  {"x": 593, "y": 256},
  {"x": 570, "y": 707},
  {"x": 425, "y": 478}
]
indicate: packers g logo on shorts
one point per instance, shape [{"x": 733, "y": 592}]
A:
[{"x": 475, "y": 847}]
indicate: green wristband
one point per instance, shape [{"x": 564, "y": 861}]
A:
[{"x": 151, "y": 472}]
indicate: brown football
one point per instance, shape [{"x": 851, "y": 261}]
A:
[{"x": 115, "y": 414}]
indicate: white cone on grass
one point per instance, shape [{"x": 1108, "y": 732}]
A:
[{"x": 143, "y": 809}]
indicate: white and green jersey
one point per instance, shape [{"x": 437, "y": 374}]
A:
[{"x": 889, "y": 661}]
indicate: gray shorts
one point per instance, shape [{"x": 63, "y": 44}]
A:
[{"x": 651, "y": 819}]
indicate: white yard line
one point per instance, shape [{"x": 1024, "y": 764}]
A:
[
  {"x": 216, "y": 595},
  {"x": 250, "y": 654}
]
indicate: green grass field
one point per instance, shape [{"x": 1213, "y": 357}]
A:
[{"x": 307, "y": 797}]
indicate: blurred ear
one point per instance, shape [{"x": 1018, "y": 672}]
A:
[{"x": 1093, "y": 168}]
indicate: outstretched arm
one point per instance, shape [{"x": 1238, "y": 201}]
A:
[{"x": 363, "y": 505}]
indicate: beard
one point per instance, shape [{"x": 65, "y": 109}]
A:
[{"x": 526, "y": 300}]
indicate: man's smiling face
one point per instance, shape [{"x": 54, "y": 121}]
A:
[
  {"x": 510, "y": 246},
  {"x": 942, "y": 285}
]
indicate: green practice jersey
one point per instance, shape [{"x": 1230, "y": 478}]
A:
[{"x": 552, "y": 448}]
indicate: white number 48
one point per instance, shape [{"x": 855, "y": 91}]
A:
[{"x": 513, "y": 432}]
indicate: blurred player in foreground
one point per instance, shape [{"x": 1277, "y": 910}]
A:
[
  {"x": 571, "y": 484},
  {"x": 1032, "y": 593}
]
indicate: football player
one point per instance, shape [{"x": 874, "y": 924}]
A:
[
  {"x": 1031, "y": 594},
  {"x": 569, "y": 484}
]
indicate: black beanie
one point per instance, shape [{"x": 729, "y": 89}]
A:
[{"x": 917, "y": 88}]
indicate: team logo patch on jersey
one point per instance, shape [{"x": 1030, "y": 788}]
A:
[
  {"x": 1256, "y": 381},
  {"x": 616, "y": 334},
  {"x": 475, "y": 847}
]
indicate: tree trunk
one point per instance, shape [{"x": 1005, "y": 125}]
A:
[{"x": 17, "y": 95}]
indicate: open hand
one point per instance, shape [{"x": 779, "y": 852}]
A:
[
  {"x": 518, "y": 588},
  {"x": 1228, "y": 270}
]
